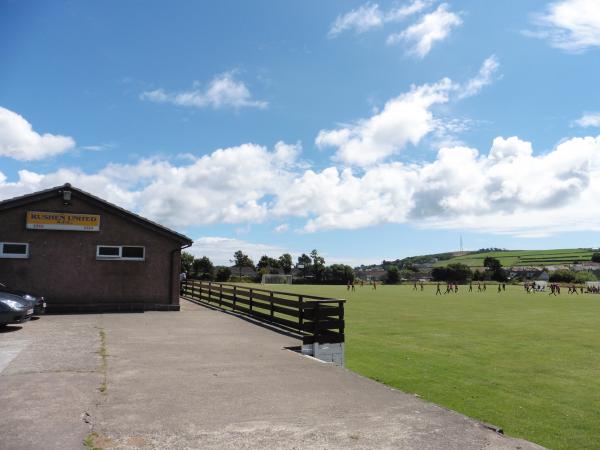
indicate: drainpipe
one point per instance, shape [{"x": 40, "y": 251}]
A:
[{"x": 171, "y": 276}]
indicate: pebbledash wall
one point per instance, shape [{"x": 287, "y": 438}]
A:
[{"x": 85, "y": 254}]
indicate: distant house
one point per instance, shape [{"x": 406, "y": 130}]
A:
[
  {"x": 376, "y": 273},
  {"x": 585, "y": 266},
  {"x": 544, "y": 276},
  {"x": 422, "y": 266},
  {"x": 524, "y": 272}
]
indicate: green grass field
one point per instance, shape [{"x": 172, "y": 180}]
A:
[
  {"x": 527, "y": 363},
  {"x": 524, "y": 257}
]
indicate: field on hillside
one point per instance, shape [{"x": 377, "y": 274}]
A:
[
  {"x": 524, "y": 257},
  {"x": 529, "y": 363}
]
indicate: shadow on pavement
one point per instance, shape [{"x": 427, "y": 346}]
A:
[
  {"x": 10, "y": 328},
  {"x": 276, "y": 329}
]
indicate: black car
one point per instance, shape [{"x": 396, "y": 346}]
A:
[
  {"x": 14, "y": 309},
  {"x": 39, "y": 303}
]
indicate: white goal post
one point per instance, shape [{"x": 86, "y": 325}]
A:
[{"x": 276, "y": 279}]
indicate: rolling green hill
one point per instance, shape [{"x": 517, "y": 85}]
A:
[{"x": 524, "y": 257}]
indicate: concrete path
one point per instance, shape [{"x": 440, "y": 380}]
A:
[{"x": 202, "y": 379}]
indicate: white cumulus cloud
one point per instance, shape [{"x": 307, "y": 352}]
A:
[
  {"x": 402, "y": 12},
  {"x": 403, "y": 120},
  {"x": 227, "y": 186},
  {"x": 361, "y": 19},
  {"x": 484, "y": 78},
  {"x": 18, "y": 139},
  {"x": 370, "y": 16},
  {"x": 588, "y": 120},
  {"x": 224, "y": 91},
  {"x": 508, "y": 189},
  {"x": 429, "y": 30},
  {"x": 570, "y": 25},
  {"x": 281, "y": 228}
]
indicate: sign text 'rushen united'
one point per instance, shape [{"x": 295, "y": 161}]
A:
[{"x": 62, "y": 221}]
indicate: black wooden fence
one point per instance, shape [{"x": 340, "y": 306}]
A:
[{"x": 314, "y": 319}]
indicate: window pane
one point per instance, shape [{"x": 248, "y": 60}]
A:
[
  {"x": 133, "y": 252},
  {"x": 108, "y": 251},
  {"x": 15, "y": 249}
]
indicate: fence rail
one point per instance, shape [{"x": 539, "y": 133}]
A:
[{"x": 313, "y": 318}]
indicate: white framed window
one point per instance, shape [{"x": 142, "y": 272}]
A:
[
  {"x": 19, "y": 250},
  {"x": 121, "y": 252}
]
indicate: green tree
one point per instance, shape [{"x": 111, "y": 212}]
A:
[
  {"x": 187, "y": 259},
  {"x": 304, "y": 261},
  {"x": 223, "y": 274},
  {"x": 268, "y": 263},
  {"x": 242, "y": 260},
  {"x": 455, "y": 273},
  {"x": 392, "y": 275},
  {"x": 499, "y": 275},
  {"x": 318, "y": 265},
  {"x": 495, "y": 268},
  {"x": 338, "y": 274},
  {"x": 407, "y": 274},
  {"x": 582, "y": 277},
  {"x": 203, "y": 268},
  {"x": 596, "y": 257},
  {"x": 285, "y": 262},
  {"x": 562, "y": 276},
  {"x": 492, "y": 264}
]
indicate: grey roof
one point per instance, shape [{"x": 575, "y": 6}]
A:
[{"x": 27, "y": 198}]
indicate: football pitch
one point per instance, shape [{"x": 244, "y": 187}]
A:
[{"x": 528, "y": 363}]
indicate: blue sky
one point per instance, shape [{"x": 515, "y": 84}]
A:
[{"x": 366, "y": 130}]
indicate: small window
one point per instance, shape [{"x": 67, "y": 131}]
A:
[
  {"x": 121, "y": 252},
  {"x": 132, "y": 252},
  {"x": 14, "y": 250},
  {"x": 109, "y": 252}
]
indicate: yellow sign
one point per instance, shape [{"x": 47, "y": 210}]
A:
[{"x": 62, "y": 221}]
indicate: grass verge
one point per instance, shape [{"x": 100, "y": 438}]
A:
[
  {"x": 528, "y": 363},
  {"x": 104, "y": 364}
]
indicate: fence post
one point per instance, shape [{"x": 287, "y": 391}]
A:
[
  {"x": 272, "y": 311},
  {"x": 234, "y": 296},
  {"x": 341, "y": 317},
  {"x": 220, "y": 294},
  {"x": 209, "y": 291},
  {"x": 251, "y": 294},
  {"x": 316, "y": 320},
  {"x": 300, "y": 313},
  {"x": 199, "y": 292}
]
